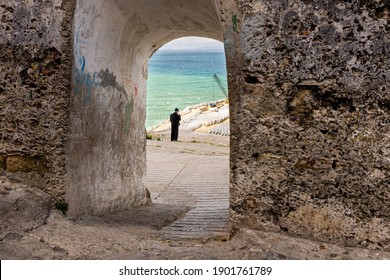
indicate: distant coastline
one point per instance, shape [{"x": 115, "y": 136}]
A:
[
  {"x": 207, "y": 117},
  {"x": 211, "y": 50},
  {"x": 179, "y": 79}
]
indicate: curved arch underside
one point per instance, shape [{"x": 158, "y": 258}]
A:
[{"x": 162, "y": 21}]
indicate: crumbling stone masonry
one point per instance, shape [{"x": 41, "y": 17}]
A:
[
  {"x": 309, "y": 103},
  {"x": 35, "y": 82},
  {"x": 310, "y": 119}
]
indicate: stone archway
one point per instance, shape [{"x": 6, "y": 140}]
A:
[
  {"x": 113, "y": 41},
  {"x": 309, "y": 106}
]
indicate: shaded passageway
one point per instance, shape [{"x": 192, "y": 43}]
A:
[
  {"x": 113, "y": 41},
  {"x": 194, "y": 175}
]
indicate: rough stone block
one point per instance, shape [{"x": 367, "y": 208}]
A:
[
  {"x": 26, "y": 164},
  {"x": 2, "y": 162}
]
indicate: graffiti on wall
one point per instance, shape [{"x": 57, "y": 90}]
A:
[
  {"x": 234, "y": 22},
  {"x": 129, "y": 108},
  {"x": 85, "y": 85}
]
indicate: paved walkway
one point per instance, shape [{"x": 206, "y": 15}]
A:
[{"x": 194, "y": 175}]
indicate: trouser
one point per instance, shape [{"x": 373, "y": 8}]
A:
[{"x": 174, "y": 132}]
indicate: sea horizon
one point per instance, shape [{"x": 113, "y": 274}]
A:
[{"x": 182, "y": 78}]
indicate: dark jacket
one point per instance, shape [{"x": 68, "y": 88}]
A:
[{"x": 175, "y": 119}]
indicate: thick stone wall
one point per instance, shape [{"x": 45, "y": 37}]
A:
[
  {"x": 35, "y": 58},
  {"x": 310, "y": 119}
]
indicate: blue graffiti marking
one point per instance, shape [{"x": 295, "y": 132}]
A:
[
  {"x": 85, "y": 84},
  {"x": 82, "y": 64}
]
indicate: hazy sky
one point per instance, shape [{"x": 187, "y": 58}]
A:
[{"x": 193, "y": 43}]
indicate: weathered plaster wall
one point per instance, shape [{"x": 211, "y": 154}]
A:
[
  {"x": 106, "y": 130},
  {"x": 310, "y": 118},
  {"x": 35, "y": 58}
]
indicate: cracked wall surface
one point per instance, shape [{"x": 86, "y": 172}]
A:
[
  {"x": 310, "y": 119},
  {"x": 308, "y": 93},
  {"x": 35, "y": 58}
]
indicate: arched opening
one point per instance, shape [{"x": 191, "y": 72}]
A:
[
  {"x": 113, "y": 41},
  {"x": 194, "y": 171},
  {"x": 188, "y": 73}
]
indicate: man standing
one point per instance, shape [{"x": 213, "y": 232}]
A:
[{"x": 175, "y": 119}]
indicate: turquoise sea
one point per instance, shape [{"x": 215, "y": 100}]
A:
[{"x": 179, "y": 78}]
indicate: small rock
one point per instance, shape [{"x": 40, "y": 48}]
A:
[{"x": 12, "y": 236}]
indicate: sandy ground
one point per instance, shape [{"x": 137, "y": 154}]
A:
[
  {"x": 191, "y": 137},
  {"x": 30, "y": 228}
]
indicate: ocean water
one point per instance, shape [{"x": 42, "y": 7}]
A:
[{"x": 178, "y": 79}]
